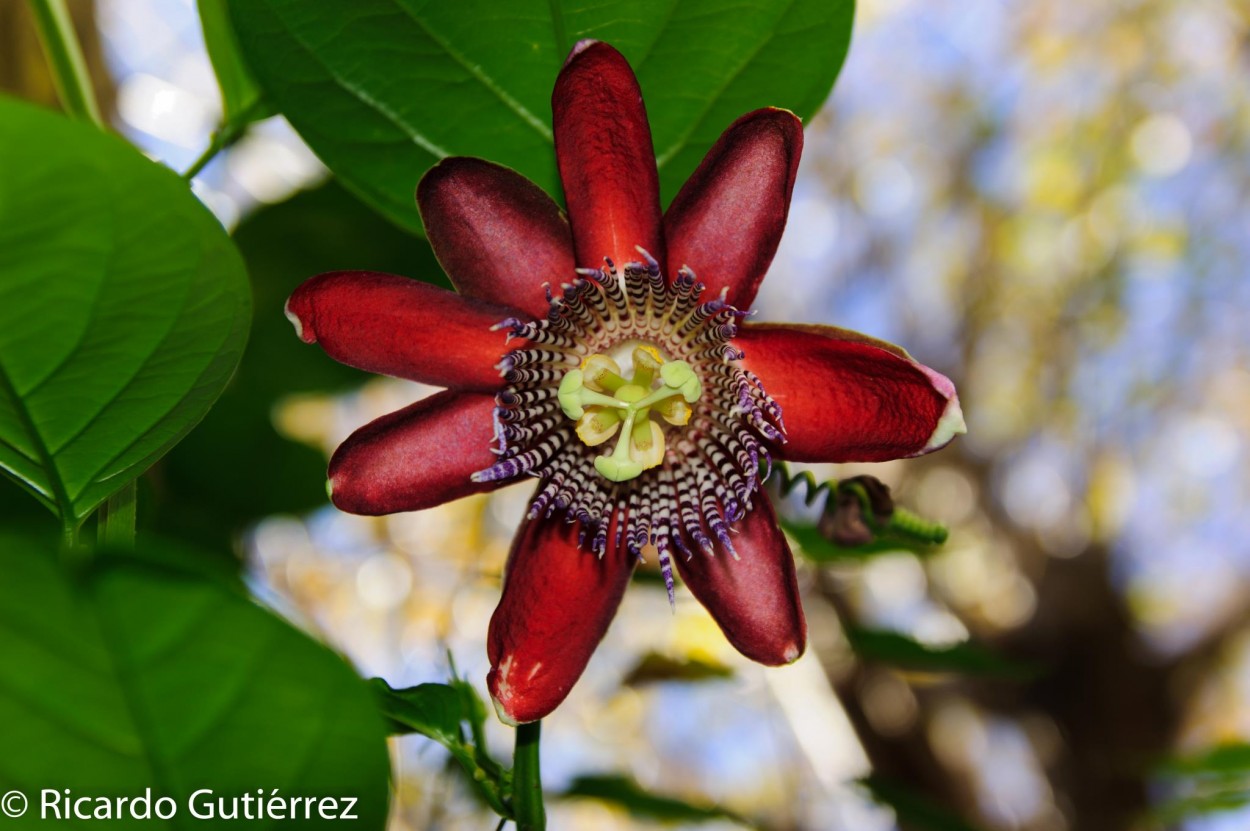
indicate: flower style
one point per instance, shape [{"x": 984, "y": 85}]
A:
[{"x": 606, "y": 356}]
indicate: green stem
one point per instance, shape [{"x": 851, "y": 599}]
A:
[
  {"x": 215, "y": 145},
  {"x": 527, "y": 782},
  {"x": 116, "y": 527},
  {"x": 224, "y": 136},
  {"x": 69, "y": 70}
]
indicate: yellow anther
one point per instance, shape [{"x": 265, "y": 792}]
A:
[
  {"x": 649, "y": 350},
  {"x": 675, "y": 411},
  {"x": 597, "y": 425},
  {"x": 601, "y": 373},
  {"x": 646, "y": 444},
  {"x": 647, "y": 363}
]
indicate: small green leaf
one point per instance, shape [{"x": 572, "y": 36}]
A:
[
  {"x": 1222, "y": 760},
  {"x": 383, "y": 89},
  {"x": 816, "y": 547},
  {"x": 433, "y": 710},
  {"x": 473, "y": 709},
  {"x": 913, "y": 810},
  {"x": 241, "y": 99},
  {"x": 1213, "y": 780},
  {"x": 124, "y": 310},
  {"x": 966, "y": 658},
  {"x": 654, "y": 668},
  {"x": 628, "y": 794},
  {"x": 137, "y": 672},
  {"x": 437, "y": 711}
]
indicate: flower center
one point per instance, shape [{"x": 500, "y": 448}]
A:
[
  {"x": 693, "y": 428},
  {"x": 603, "y": 403}
]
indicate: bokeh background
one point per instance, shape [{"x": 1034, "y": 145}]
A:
[{"x": 1047, "y": 201}]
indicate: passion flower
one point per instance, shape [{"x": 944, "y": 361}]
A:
[{"x": 607, "y": 357}]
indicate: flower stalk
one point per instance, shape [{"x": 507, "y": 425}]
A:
[
  {"x": 527, "y": 783},
  {"x": 69, "y": 69}
]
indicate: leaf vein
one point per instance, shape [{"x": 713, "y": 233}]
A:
[
  {"x": 680, "y": 143},
  {"x": 59, "y": 492},
  {"x": 416, "y": 136},
  {"x": 485, "y": 80}
]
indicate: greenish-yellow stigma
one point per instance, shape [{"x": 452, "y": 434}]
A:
[{"x": 604, "y": 403}]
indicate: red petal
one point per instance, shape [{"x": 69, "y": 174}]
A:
[
  {"x": 416, "y": 458},
  {"x": 395, "y": 326},
  {"x": 727, "y": 220},
  {"x": 497, "y": 234},
  {"x": 846, "y": 397},
  {"x": 557, "y": 603},
  {"x": 607, "y": 164},
  {"x": 755, "y": 599}
]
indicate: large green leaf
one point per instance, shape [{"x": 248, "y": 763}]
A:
[
  {"x": 382, "y": 89},
  {"x": 235, "y": 468},
  {"x": 139, "y": 672},
  {"x": 123, "y": 309}
]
